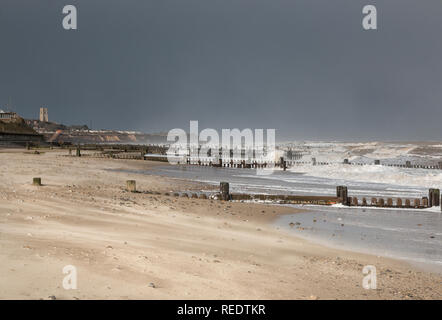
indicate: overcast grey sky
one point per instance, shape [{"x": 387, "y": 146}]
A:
[{"x": 306, "y": 68}]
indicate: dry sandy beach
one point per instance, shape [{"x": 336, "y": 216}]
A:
[{"x": 121, "y": 243}]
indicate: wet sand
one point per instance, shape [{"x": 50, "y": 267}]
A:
[{"x": 156, "y": 246}]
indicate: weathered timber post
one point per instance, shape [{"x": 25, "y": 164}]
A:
[
  {"x": 224, "y": 190},
  {"x": 36, "y": 181},
  {"x": 78, "y": 152},
  {"x": 342, "y": 194},
  {"x": 281, "y": 162},
  {"x": 434, "y": 197},
  {"x": 399, "y": 202},
  {"x": 425, "y": 201},
  {"x": 407, "y": 203},
  {"x": 389, "y": 202},
  {"x": 338, "y": 191},
  {"x": 131, "y": 185},
  {"x": 364, "y": 202},
  {"x": 374, "y": 201},
  {"x": 417, "y": 203},
  {"x": 355, "y": 201},
  {"x": 381, "y": 202},
  {"x": 345, "y": 196}
]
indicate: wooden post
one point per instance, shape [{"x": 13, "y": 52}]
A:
[
  {"x": 131, "y": 186},
  {"x": 338, "y": 191},
  {"x": 224, "y": 190},
  {"x": 389, "y": 202},
  {"x": 425, "y": 201},
  {"x": 377, "y": 162},
  {"x": 346, "y": 161},
  {"x": 355, "y": 201},
  {"x": 430, "y": 197},
  {"x": 36, "y": 181},
  {"x": 417, "y": 203},
  {"x": 434, "y": 197},
  {"x": 78, "y": 152},
  {"x": 364, "y": 202},
  {"x": 342, "y": 193},
  {"x": 408, "y": 164},
  {"x": 381, "y": 202},
  {"x": 407, "y": 203},
  {"x": 399, "y": 202}
]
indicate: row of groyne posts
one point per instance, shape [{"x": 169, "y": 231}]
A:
[
  {"x": 377, "y": 162},
  {"x": 238, "y": 163},
  {"x": 112, "y": 152},
  {"x": 433, "y": 199},
  {"x": 123, "y": 152}
]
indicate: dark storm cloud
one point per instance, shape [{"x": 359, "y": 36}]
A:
[{"x": 305, "y": 68}]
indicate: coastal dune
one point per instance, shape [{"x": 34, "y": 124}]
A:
[{"x": 153, "y": 245}]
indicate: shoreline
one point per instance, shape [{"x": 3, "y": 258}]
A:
[
  {"x": 189, "y": 248},
  {"x": 425, "y": 266},
  {"x": 417, "y": 265}
]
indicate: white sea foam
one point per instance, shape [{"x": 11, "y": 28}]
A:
[{"x": 375, "y": 174}]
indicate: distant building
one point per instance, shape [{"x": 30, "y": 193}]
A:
[
  {"x": 44, "y": 115},
  {"x": 7, "y": 115}
]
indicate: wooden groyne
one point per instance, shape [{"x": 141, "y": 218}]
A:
[
  {"x": 285, "y": 199},
  {"x": 434, "y": 199}
]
